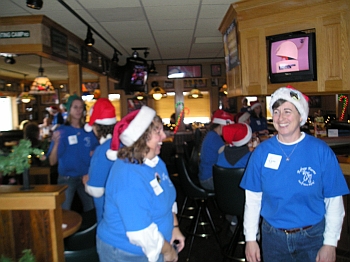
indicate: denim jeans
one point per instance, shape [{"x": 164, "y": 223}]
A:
[
  {"x": 75, "y": 184},
  {"x": 302, "y": 246},
  {"x": 207, "y": 184},
  {"x": 108, "y": 253}
]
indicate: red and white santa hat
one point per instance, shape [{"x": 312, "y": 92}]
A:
[
  {"x": 102, "y": 113},
  {"x": 254, "y": 104},
  {"x": 222, "y": 117},
  {"x": 237, "y": 134},
  {"x": 298, "y": 99},
  {"x": 52, "y": 109},
  {"x": 241, "y": 117},
  {"x": 129, "y": 129}
]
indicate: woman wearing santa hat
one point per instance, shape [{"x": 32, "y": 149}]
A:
[
  {"x": 294, "y": 182},
  {"x": 139, "y": 221},
  {"x": 71, "y": 147},
  {"x": 258, "y": 122},
  {"x": 210, "y": 147},
  {"x": 102, "y": 122}
]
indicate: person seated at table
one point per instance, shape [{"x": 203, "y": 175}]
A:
[
  {"x": 102, "y": 122},
  {"x": 139, "y": 222},
  {"x": 235, "y": 154},
  {"x": 258, "y": 122},
  {"x": 242, "y": 117},
  {"x": 245, "y": 107},
  {"x": 210, "y": 146}
]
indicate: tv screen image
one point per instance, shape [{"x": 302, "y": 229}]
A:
[
  {"x": 139, "y": 75},
  {"x": 292, "y": 57},
  {"x": 134, "y": 75}
]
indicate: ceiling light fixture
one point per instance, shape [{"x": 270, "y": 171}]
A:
[
  {"x": 145, "y": 53},
  {"x": 41, "y": 83},
  {"x": 195, "y": 93},
  {"x": 115, "y": 58},
  {"x": 157, "y": 92},
  {"x": 140, "y": 96},
  {"x": 135, "y": 54},
  {"x": 35, "y": 4},
  {"x": 89, "y": 40},
  {"x": 152, "y": 69}
]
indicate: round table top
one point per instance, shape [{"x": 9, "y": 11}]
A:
[{"x": 71, "y": 222}]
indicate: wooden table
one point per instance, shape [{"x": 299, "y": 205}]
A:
[{"x": 73, "y": 221}]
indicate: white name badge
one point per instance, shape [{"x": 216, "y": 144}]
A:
[
  {"x": 273, "y": 161},
  {"x": 156, "y": 187},
  {"x": 72, "y": 140}
]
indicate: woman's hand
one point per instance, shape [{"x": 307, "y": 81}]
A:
[
  {"x": 252, "y": 251},
  {"x": 177, "y": 235},
  {"x": 169, "y": 253},
  {"x": 326, "y": 254}
]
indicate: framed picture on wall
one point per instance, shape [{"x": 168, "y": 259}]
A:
[
  {"x": 215, "y": 81},
  {"x": 215, "y": 70},
  {"x": 168, "y": 84},
  {"x": 193, "y": 83}
]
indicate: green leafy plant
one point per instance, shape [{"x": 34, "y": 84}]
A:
[
  {"x": 18, "y": 160},
  {"x": 27, "y": 257}
]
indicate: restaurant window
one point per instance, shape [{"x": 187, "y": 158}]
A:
[{"x": 198, "y": 109}]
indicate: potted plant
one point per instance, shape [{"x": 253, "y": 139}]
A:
[{"x": 18, "y": 161}]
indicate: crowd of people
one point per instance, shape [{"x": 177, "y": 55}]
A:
[{"x": 294, "y": 207}]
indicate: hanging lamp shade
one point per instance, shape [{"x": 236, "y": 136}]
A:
[
  {"x": 41, "y": 83},
  {"x": 157, "y": 92},
  {"x": 195, "y": 93},
  {"x": 25, "y": 97}
]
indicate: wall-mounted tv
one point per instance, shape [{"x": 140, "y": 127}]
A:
[
  {"x": 135, "y": 75},
  {"x": 292, "y": 57},
  {"x": 184, "y": 71}
]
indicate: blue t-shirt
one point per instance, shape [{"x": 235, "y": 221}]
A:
[
  {"x": 209, "y": 154},
  {"x": 100, "y": 166},
  {"x": 132, "y": 204},
  {"x": 258, "y": 124},
  {"x": 294, "y": 191},
  {"x": 74, "y": 150}
]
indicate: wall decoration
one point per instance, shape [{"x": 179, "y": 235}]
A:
[
  {"x": 215, "y": 81},
  {"x": 168, "y": 84},
  {"x": 191, "y": 83},
  {"x": 314, "y": 101},
  {"x": 215, "y": 70},
  {"x": 231, "y": 46}
]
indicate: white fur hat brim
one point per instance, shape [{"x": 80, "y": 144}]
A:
[{"x": 246, "y": 139}]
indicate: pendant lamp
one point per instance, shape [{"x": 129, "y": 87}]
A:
[{"x": 41, "y": 83}]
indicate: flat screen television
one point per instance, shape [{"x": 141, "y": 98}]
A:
[
  {"x": 292, "y": 57},
  {"x": 135, "y": 75}
]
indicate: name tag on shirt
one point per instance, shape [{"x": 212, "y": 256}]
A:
[
  {"x": 273, "y": 161},
  {"x": 72, "y": 140},
  {"x": 156, "y": 187}
]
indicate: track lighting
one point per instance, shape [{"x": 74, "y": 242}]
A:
[
  {"x": 135, "y": 54},
  {"x": 152, "y": 69},
  {"x": 35, "y": 4},
  {"x": 89, "y": 41},
  {"x": 115, "y": 57}
]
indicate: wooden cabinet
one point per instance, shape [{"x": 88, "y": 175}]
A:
[
  {"x": 32, "y": 219},
  {"x": 261, "y": 18}
]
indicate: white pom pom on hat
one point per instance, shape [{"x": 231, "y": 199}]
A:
[
  {"x": 129, "y": 129},
  {"x": 102, "y": 112},
  {"x": 237, "y": 134},
  {"x": 222, "y": 117},
  {"x": 298, "y": 99}
]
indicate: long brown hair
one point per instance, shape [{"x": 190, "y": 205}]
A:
[
  {"x": 137, "y": 152},
  {"x": 82, "y": 119}
]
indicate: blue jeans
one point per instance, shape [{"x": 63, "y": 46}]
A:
[
  {"x": 108, "y": 253},
  {"x": 75, "y": 184},
  {"x": 302, "y": 246},
  {"x": 207, "y": 184}
]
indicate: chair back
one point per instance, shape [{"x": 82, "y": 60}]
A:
[
  {"x": 82, "y": 239},
  {"x": 230, "y": 197},
  {"x": 190, "y": 188}
]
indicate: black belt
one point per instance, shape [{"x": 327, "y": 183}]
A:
[{"x": 295, "y": 230}]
